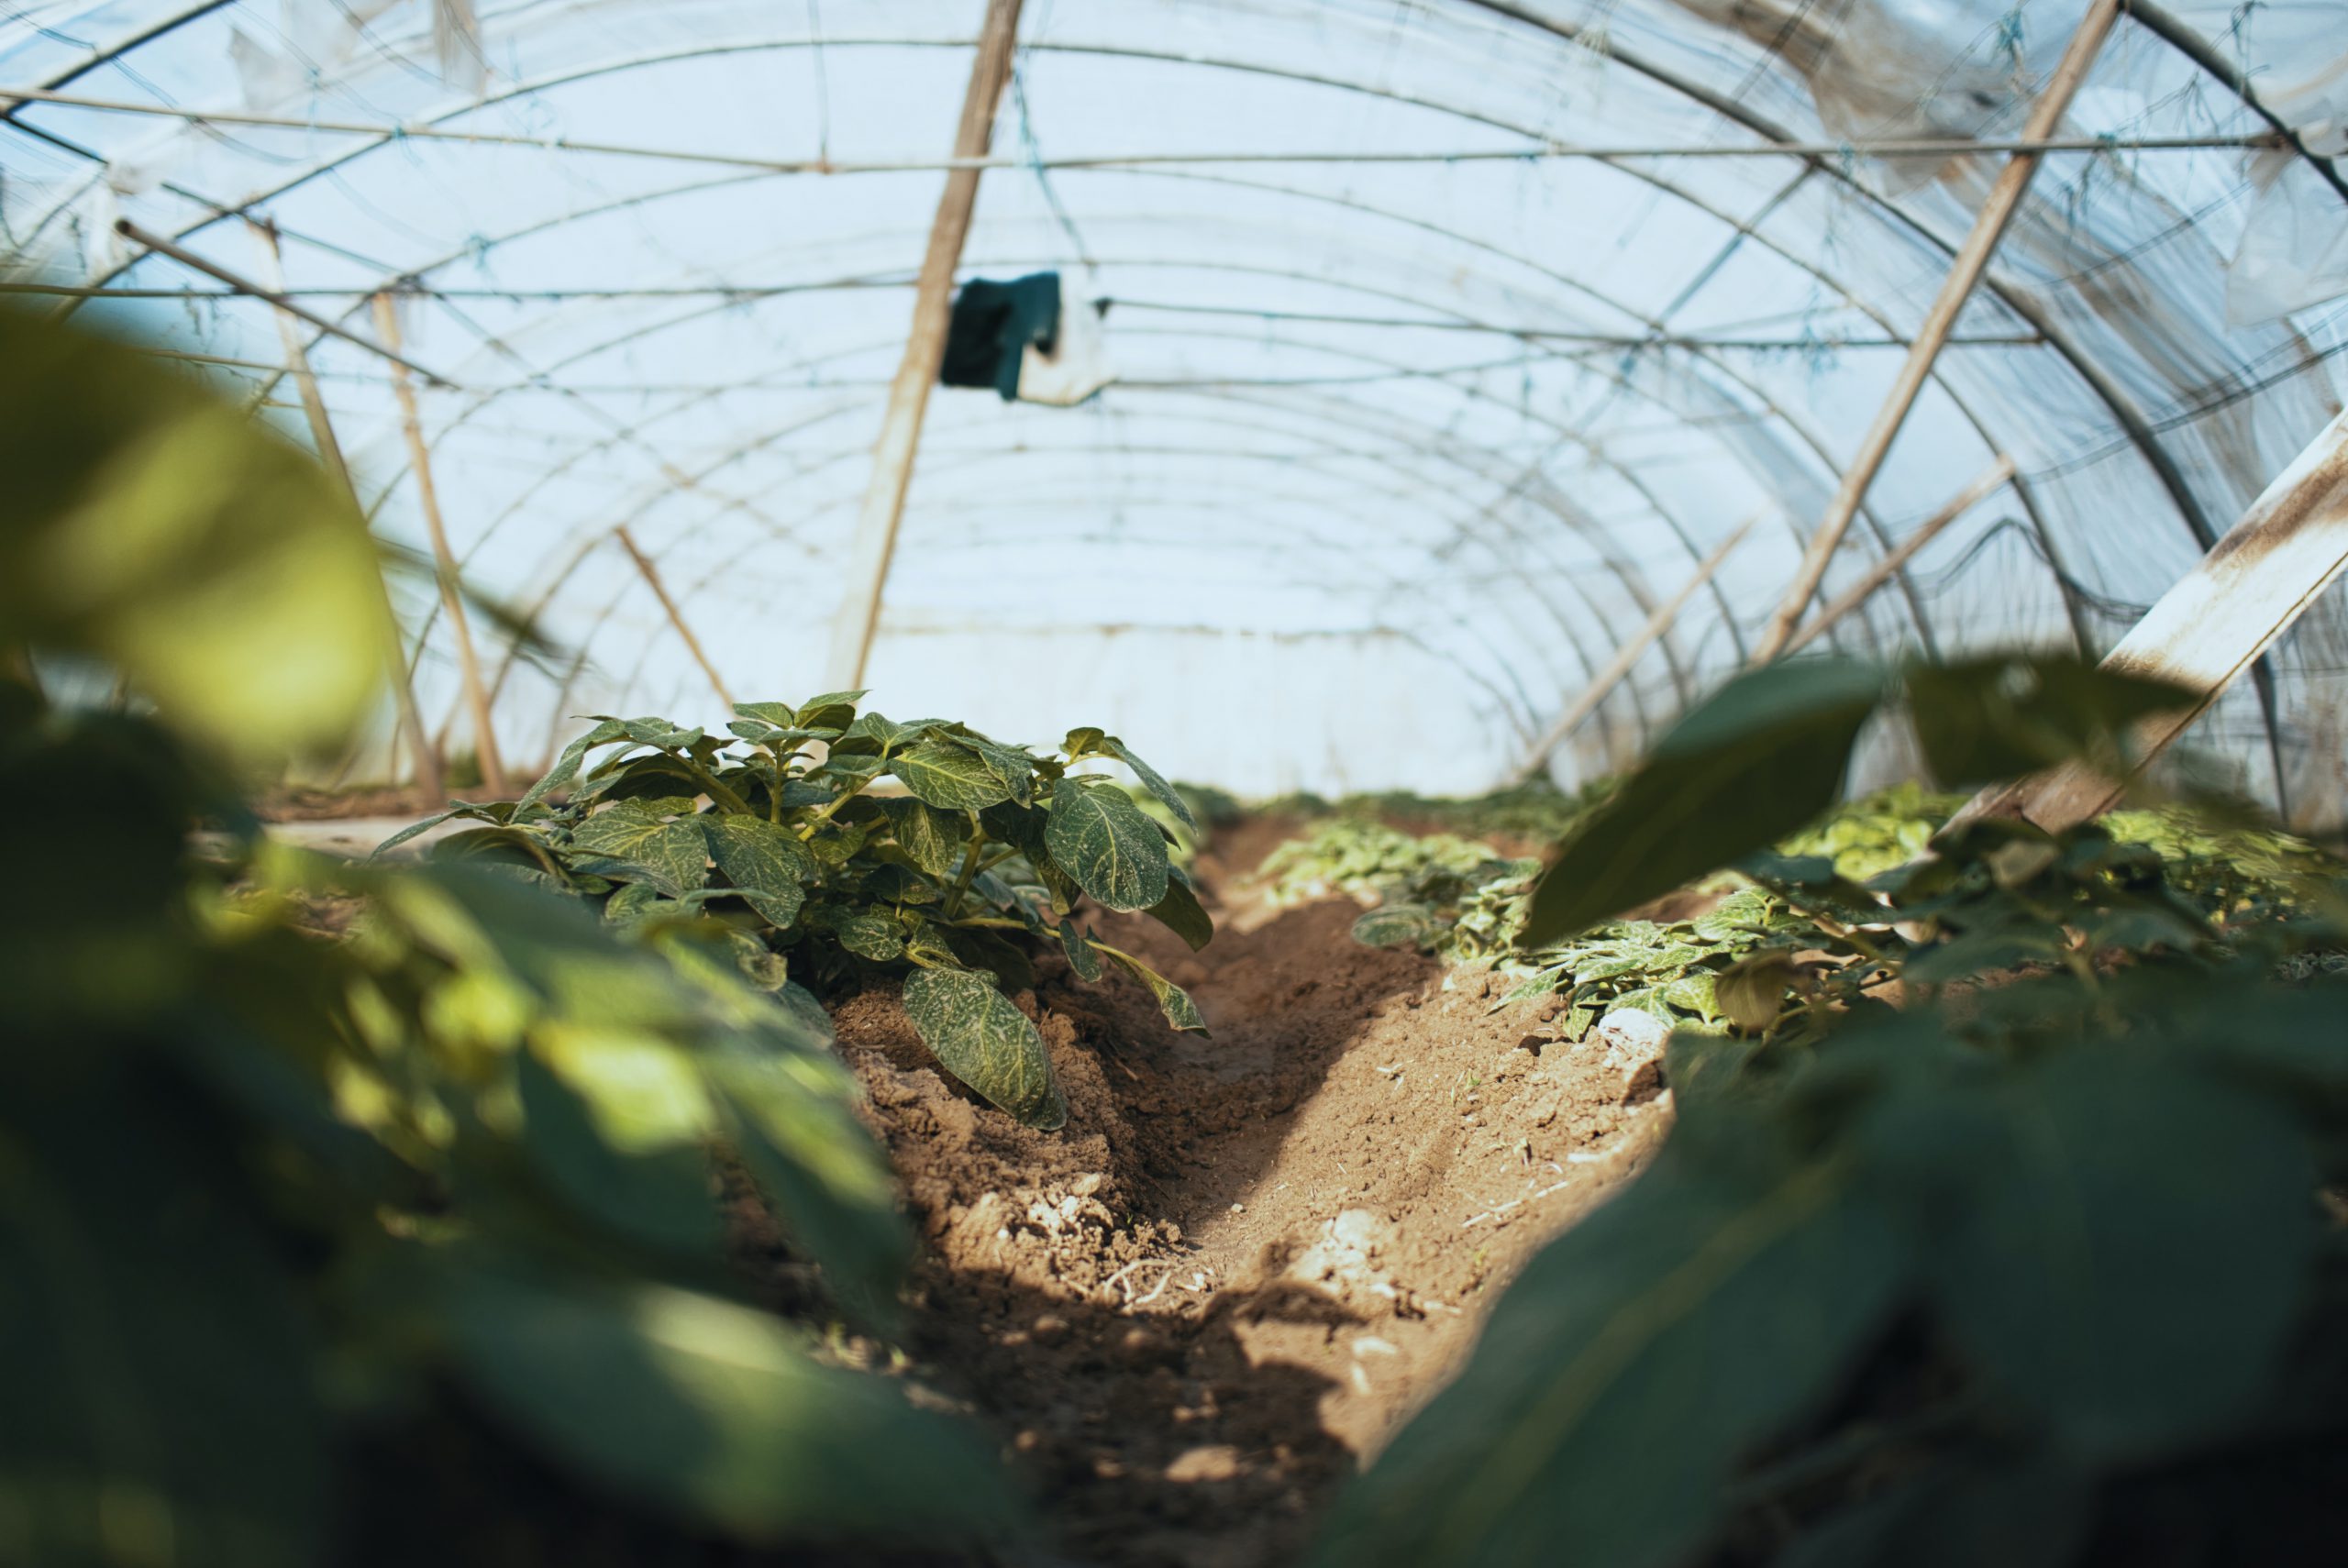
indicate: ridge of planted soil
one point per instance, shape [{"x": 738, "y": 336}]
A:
[{"x": 1196, "y": 1309}]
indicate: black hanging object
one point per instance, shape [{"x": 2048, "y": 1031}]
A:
[{"x": 991, "y": 326}]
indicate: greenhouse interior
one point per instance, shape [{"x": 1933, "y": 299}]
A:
[{"x": 1634, "y": 856}]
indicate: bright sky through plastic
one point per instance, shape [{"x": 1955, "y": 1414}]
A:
[{"x": 1398, "y": 453}]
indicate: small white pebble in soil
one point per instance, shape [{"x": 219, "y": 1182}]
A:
[{"x": 1217, "y": 1462}]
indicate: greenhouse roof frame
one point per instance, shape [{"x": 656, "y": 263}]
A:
[{"x": 1583, "y": 366}]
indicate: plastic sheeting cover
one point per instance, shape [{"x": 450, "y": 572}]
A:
[{"x": 1413, "y": 422}]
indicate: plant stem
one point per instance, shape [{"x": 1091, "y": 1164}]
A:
[{"x": 970, "y": 872}]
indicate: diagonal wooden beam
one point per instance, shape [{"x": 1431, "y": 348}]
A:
[
  {"x": 1984, "y": 484},
  {"x": 2261, "y": 577},
  {"x": 428, "y": 773},
  {"x": 676, "y": 617},
  {"x": 1536, "y": 755},
  {"x": 244, "y": 285},
  {"x": 1971, "y": 261},
  {"x": 452, "y": 600},
  {"x": 893, "y": 457}
]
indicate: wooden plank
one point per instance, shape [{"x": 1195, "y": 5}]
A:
[
  {"x": 1988, "y": 481},
  {"x": 1536, "y": 755},
  {"x": 892, "y": 459},
  {"x": 1972, "y": 260},
  {"x": 452, "y": 600},
  {"x": 428, "y": 774},
  {"x": 676, "y": 616},
  {"x": 2261, "y": 577}
]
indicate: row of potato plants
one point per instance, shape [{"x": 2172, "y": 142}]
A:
[
  {"x": 833, "y": 848},
  {"x": 2022, "y": 1256}
]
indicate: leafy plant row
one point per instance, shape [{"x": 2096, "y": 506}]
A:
[
  {"x": 1965, "y": 1279},
  {"x": 262, "y": 1191},
  {"x": 778, "y": 837}
]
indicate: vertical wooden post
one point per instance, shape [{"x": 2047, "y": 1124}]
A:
[
  {"x": 1966, "y": 500},
  {"x": 1536, "y": 755},
  {"x": 452, "y": 600},
  {"x": 2288, "y": 547},
  {"x": 893, "y": 457},
  {"x": 1972, "y": 260},
  {"x": 313, "y": 408},
  {"x": 676, "y": 617}
]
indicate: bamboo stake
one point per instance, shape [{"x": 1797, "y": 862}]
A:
[
  {"x": 1536, "y": 755},
  {"x": 1989, "y": 480},
  {"x": 452, "y": 601},
  {"x": 283, "y": 302},
  {"x": 2256, "y": 581},
  {"x": 676, "y": 616},
  {"x": 1971, "y": 261},
  {"x": 428, "y": 773},
  {"x": 892, "y": 465}
]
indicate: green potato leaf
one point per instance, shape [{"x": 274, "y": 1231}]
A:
[
  {"x": 1748, "y": 765},
  {"x": 1175, "y": 1002},
  {"x": 1101, "y": 839},
  {"x": 1082, "y": 957},
  {"x": 950, "y": 775},
  {"x": 933, "y": 839},
  {"x": 767, "y": 862},
  {"x": 984, "y": 1040},
  {"x": 1181, "y": 912},
  {"x": 672, "y": 855},
  {"x": 153, "y": 524},
  {"x": 686, "y": 1401},
  {"x": 1153, "y": 782},
  {"x": 1628, "y": 1370}
]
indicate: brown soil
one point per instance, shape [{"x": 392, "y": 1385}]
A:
[
  {"x": 300, "y": 803},
  {"x": 1196, "y": 1309}
]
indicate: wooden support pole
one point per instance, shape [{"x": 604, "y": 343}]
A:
[
  {"x": 1988, "y": 481},
  {"x": 676, "y": 616},
  {"x": 1536, "y": 755},
  {"x": 893, "y": 457},
  {"x": 2256, "y": 581},
  {"x": 1971, "y": 261},
  {"x": 452, "y": 598},
  {"x": 246, "y": 286},
  {"x": 428, "y": 774}
]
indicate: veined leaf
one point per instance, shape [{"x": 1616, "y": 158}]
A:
[
  {"x": 566, "y": 767},
  {"x": 833, "y": 709},
  {"x": 932, "y": 839},
  {"x": 1010, "y": 763},
  {"x": 778, "y": 714},
  {"x": 1172, "y": 999},
  {"x": 986, "y": 1043},
  {"x": 1082, "y": 957},
  {"x": 872, "y": 727},
  {"x": 672, "y": 855},
  {"x": 950, "y": 775},
  {"x": 870, "y": 933},
  {"x": 1153, "y": 782},
  {"x": 1181, "y": 912},
  {"x": 766, "y": 861},
  {"x": 1748, "y": 765},
  {"x": 1101, "y": 838}
]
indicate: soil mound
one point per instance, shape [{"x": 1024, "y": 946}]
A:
[{"x": 1195, "y": 1309}]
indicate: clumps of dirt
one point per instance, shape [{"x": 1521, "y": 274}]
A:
[{"x": 1195, "y": 1311}]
